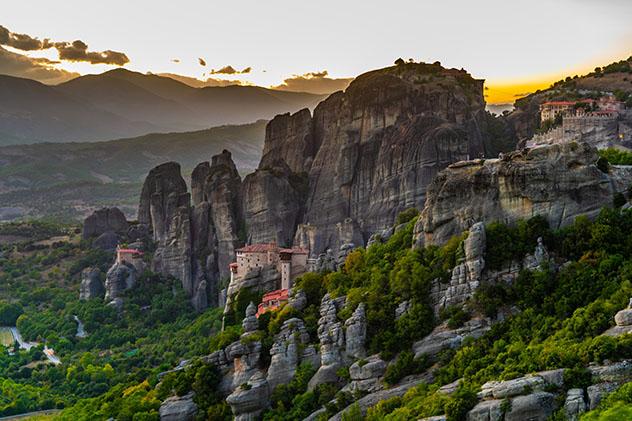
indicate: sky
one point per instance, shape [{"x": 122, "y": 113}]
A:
[{"x": 517, "y": 46}]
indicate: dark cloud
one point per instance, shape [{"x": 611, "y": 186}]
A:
[
  {"x": 78, "y": 51},
  {"x": 230, "y": 70},
  {"x": 314, "y": 82},
  {"x": 175, "y": 60},
  {"x": 70, "y": 51},
  {"x": 39, "y": 69},
  {"x": 202, "y": 61},
  {"x": 22, "y": 41}
]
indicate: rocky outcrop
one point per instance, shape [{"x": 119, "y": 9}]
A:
[
  {"x": 366, "y": 375},
  {"x": 178, "y": 408},
  {"x": 466, "y": 275},
  {"x": 165, "y": 209},
  {"x": 91, "y": 285},
  {"x": 623, "y": 320},
  {"x": 273, "y": 203},
  {"x": 368, "y": 153},
  {"x": 250, "y": 399},
  {"x": 443, "y": 338},
  {"x": 575, "y": 404},
  {"x": 259, "y": 280},
  {"x": 332, "y": 341},
  {"x": 120, "y": 277},
  {"x": 558, "y": 182},
  {"x": 521, "y": 385},
  {"x": 355, "y": 333},
  {"x": 286, "y": 352},
  {"x": 289, "y": 138},
  {"x": 195, "y": 241},
  {"x": 110, "y": 220},
  {"x": 537, "y": 406}
]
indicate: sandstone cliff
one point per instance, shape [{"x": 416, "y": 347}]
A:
[
  {"x": 195, "y": 241},
  {"x": 368, "y": 153},
  {"x": 558, "y": 182}
]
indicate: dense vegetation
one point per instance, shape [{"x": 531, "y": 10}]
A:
[{"x": 553, "y": 318}]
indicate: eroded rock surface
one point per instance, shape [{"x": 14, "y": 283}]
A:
[
  {"x": 104, "y": 220},
  {"x": 120, "y": 277},
  {"x": 178, "y": 408},
  {"x": 91, "y": 285},
  {"x": 558, "y": 182}
]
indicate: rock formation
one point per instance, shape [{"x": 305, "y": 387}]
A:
[
  {"x": 165, "y": 209},
  {"x": 195, "y": 241},
  {"x": 286, "y": 352},
  {"x": 466, "y": 275},
  {"x": 105, "y": 220},
  {"x": 442, "y": 338},
  {"x": 178, "y": 408},
  {"x": 120, "y": 277},
  {"x": 355, "y": 333},
  {"x": 558, "y": 182},
  {"x": 623, "y": 321},
  {"x": 366, "y": 375},
  {"x": 332, "y": 342},
  {"x": 365, "y": 155},
  {"x": 91, "y": 285}
]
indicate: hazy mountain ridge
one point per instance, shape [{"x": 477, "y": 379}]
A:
[
  {"x": 67, "y": 179},
  {"x": 121, "y": 103}
]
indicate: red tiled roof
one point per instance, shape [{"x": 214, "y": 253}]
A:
[
  {"x": 569, "y": 103},
  {"x": 233, "y": 265},
  {"x": 132, "y": 251},
  {"x": 258, "y": 248},
  {"x": 294, "y": 250},
  {"x": 279, "y": 294}
]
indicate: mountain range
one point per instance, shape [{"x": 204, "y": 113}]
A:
[
  {"x": 121, "y": 103},
  {"x": 66, "y": 180}
]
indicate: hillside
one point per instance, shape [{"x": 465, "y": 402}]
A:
[
  {"x": 121, "y": 103},
  {"x": 69, "y": 180},
  {"x": 615, "y": 78}
]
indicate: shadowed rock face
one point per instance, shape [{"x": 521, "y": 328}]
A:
[
  {"x": 558, "y": 182},
  {"x": 368, "y": 153},
  {"x": 194, "y": 242},
  {"x": 102, "y": 221}
]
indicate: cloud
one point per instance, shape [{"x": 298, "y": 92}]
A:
[
  {"x": 314, "y": 82},
  {"x": 39, "y": 69},
  {"x": 230, "y": 70},
  {"x": 69, "y": 51},
  {"x": 78, "y": 51},
  {"x": 197, "y": 83},
  {"x": 202, "y": 61}
]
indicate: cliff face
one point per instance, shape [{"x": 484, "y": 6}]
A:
[
  {"x": 368, "y": 153},
  {"x": 558, "y": 182},
  {"x": 195, "y": 241}
]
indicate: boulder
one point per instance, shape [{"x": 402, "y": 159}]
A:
[
  {"x": 443, "y": 338},
  {"x": 597, "y": 392},
  {"x": 178, "y": 408},
  {"x": 486, "y": 411},
  {"x": 104, "y": 220},
  {"x": 575, "y": 404},
  {"x": 91, "y": 285},
  {"x": 623, "y": 317},
  {"x": 537, "y": 406},
  {"x": 366, "y": 375},
  {"x": 250, "y": 399}
]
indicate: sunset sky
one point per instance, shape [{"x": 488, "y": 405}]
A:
[{"x": 517, "y": 46}]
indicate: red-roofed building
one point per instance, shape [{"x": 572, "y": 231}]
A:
[
  {"x": 127, "y": 255},
  {"x": 290, "y": 262},
  {"x": 272, "y": 301},
  {"x": 550, "y": 110}
]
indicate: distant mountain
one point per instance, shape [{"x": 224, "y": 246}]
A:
[
  {"x": 121, "y": 103},
  {"x": 67, "y": 180}
]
